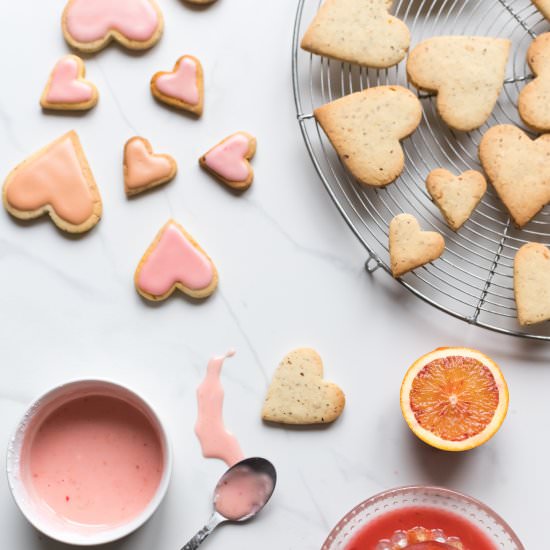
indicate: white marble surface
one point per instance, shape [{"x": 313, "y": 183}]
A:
[{"x": 291, "y": 275}]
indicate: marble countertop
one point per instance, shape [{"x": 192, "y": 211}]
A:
[{"x": 291, "y": 274}]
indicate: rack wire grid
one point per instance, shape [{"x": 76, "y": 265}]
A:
[{"x": 473, "y": 280}]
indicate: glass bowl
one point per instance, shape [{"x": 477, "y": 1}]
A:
[{"x": 490, "y": 523}]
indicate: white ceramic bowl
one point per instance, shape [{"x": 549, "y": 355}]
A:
[{"x": 59, "y": 529}]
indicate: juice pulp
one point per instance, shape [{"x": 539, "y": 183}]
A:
[{"x": 405, "y": 519}]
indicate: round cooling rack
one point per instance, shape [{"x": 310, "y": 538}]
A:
[{"x": 473, "y": 280}]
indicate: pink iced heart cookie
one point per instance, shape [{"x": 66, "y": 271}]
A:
[
  {"x": 175, "y": 261},
  {"x": 66, "y": 89},
  {"x": 229, "y": 160},
  {"x": 89, "y": 25},
  {"x": 183, "y": 87}
]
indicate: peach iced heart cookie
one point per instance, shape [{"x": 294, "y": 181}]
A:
[
  {"x": 89, "y": 25},
  {"x": 144, "y": 169},
  {"x": 183, "y": 87},
  {"x": 410, "y": 247},
  {"x": 358, "y": 31},
  {"x": 229, "y": 160},
  {"x": 466, "y": 72},
  {"x": 56, "y": 180},
  {"x": 366, "y": 127},
  {"x": 175, "y": 261},
  {"x": 298, "y": 394},
  {"x": 67, "y": 89}
]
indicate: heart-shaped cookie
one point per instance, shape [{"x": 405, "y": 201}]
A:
[
  {"x": 67, "y": 89},
  {"x": 410, "y": 247},
  {"x": 89, "y": 25},
  {"x": 358, "y": 31},
  {"x": 183, "y": 87},
  {"x": 144, "y": 169},
  {"x": 466, "y": 72},
  {"x": 532, "y": 283},
  {"x": 543, "y": 6},
  {"x": 229, "y": 160},
  {"x": 366, "y": 127},
  {"x": 175, "y": 261},
  {"x": 519, "y": 170},
  {"x": 456, "y": 196},
  {"x": 299, "y": 395},
  {"x": 56, "y": 180}
]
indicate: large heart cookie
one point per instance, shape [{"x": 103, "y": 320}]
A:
[
  {"x": 456, "y": 196},
  {"x": 366, "y": 127},
  {"x": 410, "y": 247},
  {"x": 358, "y": 31},
  {"x": 144, "y": 169},
  {"x": 299, "y": 395},
  {"x": 229, "y": 160},
  {"x": 466, "y": 72},
  {"x": 543, "y": 6},
  {"x": 56, "y": 180},
  {"x": 175, "y": 261},
  {"x": 532, "y": 283},
  {"x": 89, "y": 25},
  {"x": 519, "y": 169}
]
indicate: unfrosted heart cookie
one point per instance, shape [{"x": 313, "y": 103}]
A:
[
  {"x": 89, "y": 25},
  {"x": 298, "y": 394},
  {"x": 144, "y": 169},
  {"x": 67, "y": 89},
  {"x": 519, "y": 169},
  {"x": 358, "y": 31},
  {"x": 183, "y": 87},
  {"x": 173, "y": 261},
  {"x": 366, "y": 127},
  {"x": 56, "y": 180},
  {"x": 543, "y": 6},
  {"x": 456, "y": 196},
  {"x": 410, "y": 247},
  {"x": 532, "y": 283},
  {"x": 466, "y": 72},
  {"x": 229, "y": 160}
]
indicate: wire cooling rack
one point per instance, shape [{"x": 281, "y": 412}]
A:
[{"x": 473, "y": 280}]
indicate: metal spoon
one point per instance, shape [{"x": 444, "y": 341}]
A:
[{"x": 257, "y": 466}]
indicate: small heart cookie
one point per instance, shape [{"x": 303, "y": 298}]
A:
[
  {"x": 299, "y": 395},
  {"x": 519, "y": 170},
  {"x": 67, "y": 89},
  {"x": 358, "y": 31},
  {"x": 144, "y": 169},
  {"x": 532, "y": 283},
  {"x": 229, "y": 160},
  {"x": 89, "y": 25},
  {"x": 366, "y": 127},
  {"x": 175, "y": 261},
  {"x": 56, "y": 180},
  {"x": 183, "y": 87},
  {"x": 466, "y": 72},
  {"x": 543, "y": 6},
  {"x": 410, "y": 247},
  {"x": 456, "y": 196}
]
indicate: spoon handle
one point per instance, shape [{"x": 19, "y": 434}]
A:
[{"x": 198, "y": 539}]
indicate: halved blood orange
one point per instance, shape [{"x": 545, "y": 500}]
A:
[{"x": 454, "y": 399}]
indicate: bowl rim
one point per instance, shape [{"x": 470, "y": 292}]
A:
[{"x": 17, "y": 487}]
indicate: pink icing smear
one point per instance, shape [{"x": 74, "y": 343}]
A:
[
  {"x": 91, "y": 20},
  {"x": 215, "y": 440},
  {"x": 182, "y": 83},
  {"x": 228, "y": 159},
  {"x": 65, "y": 87},
  {"x": 174, "y": 260}
]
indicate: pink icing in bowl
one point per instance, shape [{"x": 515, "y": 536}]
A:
[{"x": 89, "y": 462}]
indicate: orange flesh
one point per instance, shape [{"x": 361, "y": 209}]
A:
[{"x": 455, "y": 398}]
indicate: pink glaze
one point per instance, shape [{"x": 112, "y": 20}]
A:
[
  {"x": 242, "y": 492},
  {"x": 228, "y": 159},
  {"x": 91, "y": 20},
  {"x": 215, "y": 440},
  {"x": 182, "y": 83},
  {"x": 95, "y": 460},
  {"x": 65, "y": 85}
]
